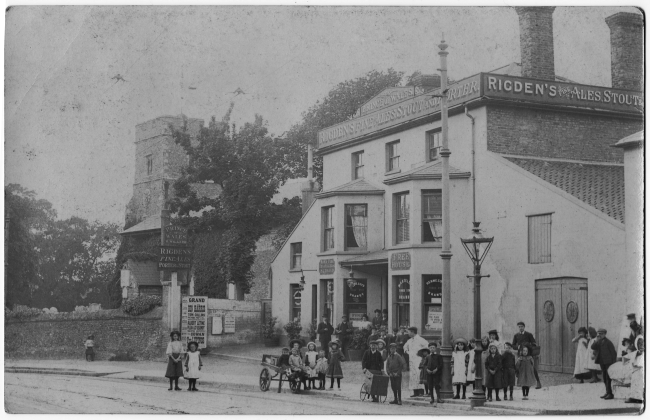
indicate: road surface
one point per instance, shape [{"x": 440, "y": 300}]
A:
[{"x": 40, "y": 394}]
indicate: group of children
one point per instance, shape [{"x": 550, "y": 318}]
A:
[
  {"x": 502, "y": 367},
  {"x": 306, "y": 369},
  {"x": 193, "y": 362}
]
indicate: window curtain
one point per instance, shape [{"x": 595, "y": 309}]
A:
[
  {"x": 360, "y": 228},
  {"x": 436, "y": 229}
]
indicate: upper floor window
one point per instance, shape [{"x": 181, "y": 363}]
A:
[
  {"x": 431, "y": 216},
  {"x": 357, "y": 165},
  {"x": 328, "y": 228},
  {"x": 392, "y": 156},
  {"x": 296, "y": 255},
  {"x": 402, "y": 215},
  {"x": 434, "y": 144},
  {"x": 356, "y": 226},
  {"x": 149, "y": 164},
  {"x": 539, "y": 239}
]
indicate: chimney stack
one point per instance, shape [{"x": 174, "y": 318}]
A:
[
  {"x": 536, "y": 42},
  {"x": 627, "y": 50}
]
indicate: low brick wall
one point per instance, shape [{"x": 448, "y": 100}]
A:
[
  {"x": 61, "y": 336},
  {"x": 248, "y": 319}
]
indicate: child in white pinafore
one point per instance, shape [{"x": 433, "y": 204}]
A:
[
  {"x": 193, "y": 364},
  {"x": 310, "y": 365},
  {"x": 321, "y": 369},
  {"x": 459, "y": 366}
]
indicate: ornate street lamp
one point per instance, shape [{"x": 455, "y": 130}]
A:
[
  {"x": 302, "y": 283},
  {"x": 477, "y": 248}
]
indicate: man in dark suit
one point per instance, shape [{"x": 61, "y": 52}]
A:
[
  {"x": 606, "y": 356},
  {"x": 524, "y": 338},
  {"x": 325, "y": 331},
  {"x": 376, "y": 321},
  {"x": 344, "y": 331},
  {"x": 373, "y": 362}
]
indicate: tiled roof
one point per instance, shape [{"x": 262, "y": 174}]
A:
[
  {"x": 358, "y": 186},
  {"x": 600, "y": 186},
  {"x": 431, "y": 170},
  {"x": 635, "y": 139},
  {"x": 372, "y": 257},
  {"x": 149, "y": 224}
]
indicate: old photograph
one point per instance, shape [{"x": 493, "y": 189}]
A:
[{"x": 324, "y": 210}]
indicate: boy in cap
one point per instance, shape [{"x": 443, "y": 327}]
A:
[
  {"x": 606, "y": 356},
  {"x": 395, "y": 364},
  {"x": 434, "y": 371}
]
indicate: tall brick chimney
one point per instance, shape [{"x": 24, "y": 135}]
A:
[
  {"x": 536, "y": 42},
  {"x": 627, "y": 50}
]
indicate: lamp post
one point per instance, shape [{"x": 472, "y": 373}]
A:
[{"x": 477, "y": 248}]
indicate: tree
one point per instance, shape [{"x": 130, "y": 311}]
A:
[
  {"x": 28, "y": 218},
  {"x": 340, "y": 104}
]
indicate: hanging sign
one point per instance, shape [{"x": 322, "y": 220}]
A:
[
  {"x": 174, "y": 258},
  {"x": 326, "y": 266},
  {"x": 433, "y": 288},
  {"x": 175, "y": 235},
  {"x": 400, "y": 261},
  {"x": 229, "y": 323},
  {"x": 434, "y": 318},
  {"x": 194, "y": 320},
  {"x": 356, "y": 291},
  {"x": 403, "y": 290}
]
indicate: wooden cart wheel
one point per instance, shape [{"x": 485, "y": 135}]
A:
[
  {"x": 363, "y": 395},
  {"x": 265, "y": 380}
]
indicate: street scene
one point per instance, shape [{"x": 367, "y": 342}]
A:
[{"x": 324, "y": 210}]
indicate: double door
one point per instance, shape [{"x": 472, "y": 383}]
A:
[{"x": 561, "y": 309}]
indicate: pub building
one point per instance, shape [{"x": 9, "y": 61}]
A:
[{"x": 531, "y": 155}]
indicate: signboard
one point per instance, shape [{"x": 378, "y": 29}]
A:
[
  {"x": 433, "y": 288},
  {"x": 174, "y": 258},
  {"x": 194, "y": 320},
  {"x": 229, "y": 323},
  {"x": 175, "y": 235},
  {"x": 558, "y": 93},
  {"x": 400, "y": 261},
  {"x": 401, "y": 112},
  {"x": 434, "y": 318},
  {"x": 217, "y": 325},
  {"x": 389, "y": 97},
  {"x": 403, "y": 289},
  {"x": 326, "y": 266},
  {"x": 355, "y": 291},
  {"x": 125, "y": 278}
]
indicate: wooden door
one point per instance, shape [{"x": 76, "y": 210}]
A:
[
  {"x": 561, "y": 308},
  {"x": 574, "y": 305},
  {"x": 548, "y": 300}
]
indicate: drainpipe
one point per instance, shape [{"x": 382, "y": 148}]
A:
[{"x": 473, "y": 166}]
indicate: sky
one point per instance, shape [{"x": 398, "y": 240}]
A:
[{"x": 70, "y": 121}]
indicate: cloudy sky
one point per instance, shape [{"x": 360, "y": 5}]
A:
[{"x": 69, "y": 125}]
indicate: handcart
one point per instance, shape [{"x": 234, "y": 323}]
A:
[
  {"x": 273, "y": 372},
  {"x": 374, "y": 385}
]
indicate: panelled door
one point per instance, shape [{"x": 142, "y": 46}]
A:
[{"x": 561, "y": 308}]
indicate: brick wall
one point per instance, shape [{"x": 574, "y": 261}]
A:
[
  {"x": 626, "y": 37},
  {"x": 536, "y": 42},
  {"x": 248, "y": 318},
  {"x": 61, "y": 336},
  {"x": 556, "y": 134}
]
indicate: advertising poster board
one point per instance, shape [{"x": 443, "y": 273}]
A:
[{"x": 194, "y": 320}]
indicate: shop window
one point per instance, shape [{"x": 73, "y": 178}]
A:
[
  {"x": 539, "y": 239},
  {"x": 149, "y": 164},
  {"x": 432, "y": 304},
  {"x": 356, "y": 226},
  {"x": 296, "y": 256},
  {"x": 434, "y": 144},
  {"x": 356, "y": 298},
  {"x": 402, "y": 214},
  {"x": 392, "y": 156},
  {"x": 296, "y": 301},
  {"x": 431, "y": 216},
  {"x": 357, "y": 165},
  {"x": 402, "y": 303},
  {"x": 328, "y": 228}
]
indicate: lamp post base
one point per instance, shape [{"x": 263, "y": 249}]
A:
[
  {"x": 478, "y": 394},
  {"x": 447, "y": 390}
]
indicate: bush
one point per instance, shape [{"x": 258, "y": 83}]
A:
[
  {"x": 360, "y": 339},
  {"x": 268, "y": 329},
  {"x": 22, "y": 312},
  {"x": 141, "y": 304},
  {"x": 293, "y": 329}
]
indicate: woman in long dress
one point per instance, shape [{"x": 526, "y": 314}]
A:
[
  {"x": 174, "y": 360},
  {"x": 412, "y": 346},
  {"x": 583, "y": 355}
]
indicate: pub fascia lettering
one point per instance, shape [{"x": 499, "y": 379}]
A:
[
  {"x": 389, "y": 97},
  {"x": 400, "y": 260},
  {"x": 404, "y": 289}
]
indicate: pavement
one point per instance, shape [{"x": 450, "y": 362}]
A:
[{"x": 238, "y": 368}]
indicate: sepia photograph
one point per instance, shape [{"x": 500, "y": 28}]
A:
[{"x": 324, "y": 210}]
